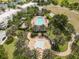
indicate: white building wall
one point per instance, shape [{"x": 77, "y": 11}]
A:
[{"x": 2, "y": 36}]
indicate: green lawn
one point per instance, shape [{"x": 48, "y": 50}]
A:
[
  {"x": 50, "y": 34},
  {"x": 63, "y": 47},
  {"x": 10, "y": 49},
  {"x": 59, "y": 1}
]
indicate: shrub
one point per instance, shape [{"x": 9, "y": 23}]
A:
[
  {"x": 54, "y": 2},
  {"x": 65, "y": 3},
  {"x": 74, "y": 6},
  {"x": 9, "y": 40}
]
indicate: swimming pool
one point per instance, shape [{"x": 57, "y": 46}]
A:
[
  {"x": 39, "y": 44},
  {"x": 39, "y": 21}
]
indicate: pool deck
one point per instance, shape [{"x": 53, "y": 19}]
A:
[
  {"x": 32, "y": 42},
  {"x": 40, "y": 43}
]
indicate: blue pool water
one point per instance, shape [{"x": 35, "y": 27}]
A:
[
  {"x": 40, "y": 21},
  {"x": 39, "y": 44}
]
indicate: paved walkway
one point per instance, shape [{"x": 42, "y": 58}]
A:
[
  {"x": 68, "y": 51},
  {"x": 73, "y": 18},
  {"x": 65, "y": 53},
  {"x": 72, "y": 15}
]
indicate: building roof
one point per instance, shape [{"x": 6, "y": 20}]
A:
[{"x": 7, "y": 14}]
